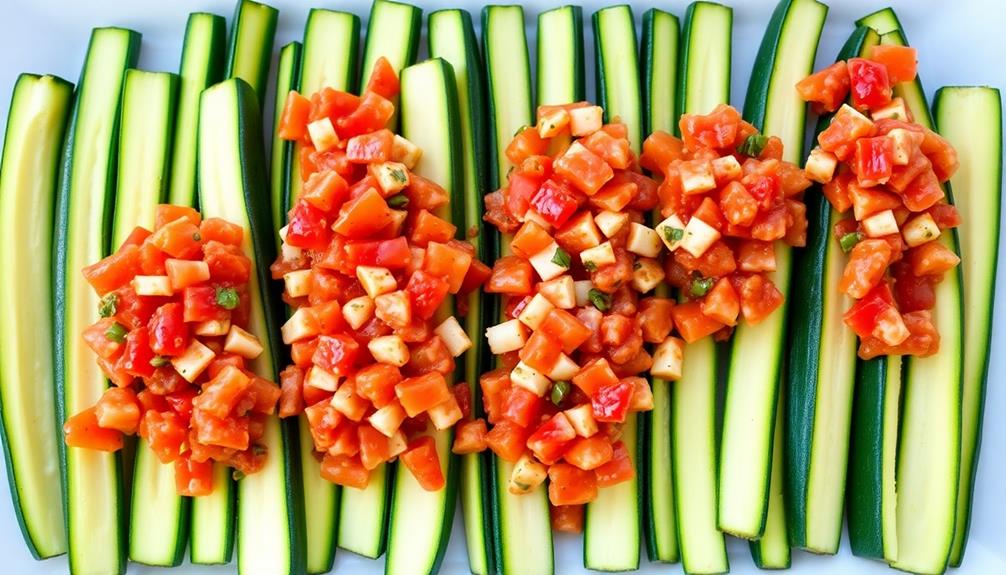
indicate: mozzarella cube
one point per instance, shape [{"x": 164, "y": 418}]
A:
[
  {"x": 242, "y": 343},
  {"x": 904, "y": 144},
  {"x": 190, "y": 271},
  {"x": 290, "y": 253},
  {"x": 582, "y": 231},
  {"x": 582, "y": 289},
  {"x": 152, "y": 286},
  {"x": 358, "y": 311},
  {"x": 398, "y": 218},
  {"x": 698, "y": 237},
  {"x": 375, "y": 280},
  {"x": 920, "y": 230},
  {"x": 880, "y": 224},
  {"x": 564, "y": 369},
  {"x": 598, "y": 256},
  {"x": 348, "y": 403},
  {"x": 551, "y": 125},
  {"x": 323, "y": 135},
  {"x": 193, "y": 361},
  {"x": 390, "y": 350},
  {"x": 548, "y": 262},
  {"x": 535, "y": 312},
  {"x": 322, "y": 379},
  {"x": 561, "y": 291},
  {"x": 582, "y": 419},
  {"x": 646, "y": 275},
  {"x": 392, "y": 177},
  {"x": 533, "y": 216},
  {"x": 523, "y": 375},
  {"x": 405, "y": 152},
  {"x": 696, "y": 176},
  {"x": 890, "y": 327},
  {"x": 668, "y": 359},
  {"x": 453, "y": 336},
  {"x": 611, "y": 222},
  {"x": 297, "y": 283},
  {"x": 301, "y": 325},
  {"x": 671, "y": 231},
  {"x": 394, "y": 309},
  {"x": 528, "y": 473},
  {"x": 821, "y": 166},
  {"x": 507, "y": 336},
  {"x": 444, "y": 415},
  {"x": 643, "y": 241},
  {"x": 728, "y": 167},
  {"x": 388, "y": 419},
  {"x": 893, "y": 111},
  {"x": 585, "y": 121},
  {"x": 212, "y": 327},
  {"x": 397, "y": 444}
]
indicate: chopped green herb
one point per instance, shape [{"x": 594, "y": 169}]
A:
[
  {"x": 116, "y": 332},
  {"x": 673, "y": 234},
  {"x": 560, "y": 390},
  {"x": 601, "y": 300},
  {"x": 398, "y": 201},
  {"x": 520, "y": 130},
  {"x": 108, "y": 305},
  {"x": 227, "y": 298},
  {"x": 701, "y": 286},
  {"x": 159, "y": 361},
  {"x": 590, "y": 266},
  {"x": 561, "y": 258},
  {"x": 197, "y": 237},
  {"x": 521, "y": 485},
  {"x": 753, "y": 145},
  {"x": 237, "y": 475},
  {"x": 849, "y": 241},
  {"x": 399, "y": 176}
]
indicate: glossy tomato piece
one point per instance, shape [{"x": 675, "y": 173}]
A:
[
  {"x": 231, "y": 432},
  {"x": 923, "y": 339},
  {"x": 584, "y": 169},
  {"x": 567, "y": 518},
  {"x": 137, "y": 355},
  {"x": 193, "y": 478},
  {"x": 620, "y": 468},
  {"x": 865, "y": 268},
  {"x": 118, "y": 409},
  {"x": 418, "y": 394},
  {"x": 345, "y": 470},
  {"x": 655, "y": 318},
  {"x": 374, "y": 448},
  {"x": 371, "y": 115},
  {"x": 221, "y": 394},
  {"x": 521, "y": 189},
  {"x": 564, "y": 327},
  {"x": 427, "y": 227},
  {"x": 293, "y": 122},
  {"x": 422, "y": 459},
  {"x": 589, "y": 452},
  {"x": 115, "y": 271},
  {"x": 521, "y": 406},
  {"x": 826, "y": 89},
  {"x": 659, "y": 150},
  {"x": 325, "y": 190},
  {"x": 901, "y": 62},
  {"x": 717, "y": 130},
  {"x": 611, "y": 402},
  {"x": 525, "y": 144},
  {"x": 912, "y": 292},
  {"x": 759, "y": 297},
  {"x": 166, "y": 433},
  {"x": 595, "y": 375},
  {"x": 82, "y": 430},
  {"x": 863, "y": 316},
  {"x": 200, "y": 304},
  {"x": 97, "y": 338},
  {"x": 383, "y": 79},
  {"x": 426, "y": 292},
  {"x": 336, "y": 354},
  {"x": 845, "y": 128},
  {"x": 447, "y": 261},
  {"x": 569, "y": 485},
  {"x": 541, "y": 351},
  {"x": 869, "y": 84},
  {"x": 692, "y": 324},
  {"x": 363, "y": 216},
  {"x": 307, "y": 227},
  {"x": 168, "y": 333},
  {"x": 721, "y": 303},
  {"x": 874, "y": 160},
  {"x": 470, "y": 437},
  {"x": 332, "y": 104},
  {"x": 511, "y": 275},
  {"x": 431, "y": 356},
  {"x": 164, "y": 380},
  {"x": 507, "y": 440},
  {"x": 493, "y": 385},
  {"x": 923, "y": 192},
  {"x": 549, "y": 441},
  {"x": 554, "y": 202},
  {"x": 932, "y": 259}
]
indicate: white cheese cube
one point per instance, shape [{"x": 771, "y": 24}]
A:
[
  {"x": 392, "y": 177},
  {"x": 397, "y": 444},
  {"x": 322, "y": 379},
  {"x": 643, "y": 241},
  {"x": 668, "y": 359},
  {"x": 728, "y": 167},
  {"x": 551, "y": 125},
  {"x": 358, "y": 311},
  {"x": 533, "y": 216},
  {"x": 561, "y": 291},
  {"x": 564, "y": 369},
  {"x": 671, "y": 231},
  {"x": 388, "y": 419},
  {"x": 454, "y": 336},
  {"x": 507, "y": 336},
  {"x": 297, "y": 283},
  {"x": 390, "y": 350},
  {"x": 697, "y": 177},
  {"x": 548, "y": 262},
  {"x": 523, "y": 375},
  {"x": 904, "y": 145},
  {"x": 582, "y": 419},
  {"x": 323, "y": 134},
  {"x": 598, "y": 256},
  {"x": 528, "y": 473},
  {"x": 152, "y": 286},
  {"x": 444, "y": 415},
  {"x": 242, "y": 343},
  {"x": 301, "y": 325},
  {"x": 405, "y": 152},
  {"x": 698, "y": 237},
  {"x": 919, "y": 230},
  {"x": 646, "y": 275},
  {"x": 212, "y": 327},
  {"x": 611, "y": 222},
  {"x": 893, "y": 111},
  {"x": 375, "y": 280},
  {"x": 880, "y": 224},
  {"x": 582, "y": 289},
  {"x": 585, "y": 121},
  {"x": 821, "y": 166},
  {"x": 581, "y": 230},
  {"x": 348, "y": 403},
  {"x": 193, "y": 361},
  {"x": 394, "y": 309},
  {"x": 535, "y": 312},
  {"x": 290, "y": 252},
  {"x": 193, "y": 271}
]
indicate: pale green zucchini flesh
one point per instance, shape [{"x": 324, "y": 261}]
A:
[
  {"x": 249, "y": 56},
  {"x": 560, "y": 76}
]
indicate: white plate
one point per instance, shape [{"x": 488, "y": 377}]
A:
[{"x": 960, "y": 42}]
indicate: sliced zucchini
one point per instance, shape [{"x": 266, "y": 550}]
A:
[
  {"x": 772, "y": 104},
  {"x": 661, "y": 35},
  {"x": 704, "y": 82},
  {"x": 232, "y": 185},
  {"x": 36, "y": 124},
  {"x": 420, "y": 522},
  {"x": 821, "y": 379},
  {"x": 522, "y": 529},
  {"x": 971, "y": 119},
  {"x": 612, "y": 523},
  {"x": 560, "y": 56},
  {"x": 158, "y": 520},
  {"x": 203, "y": 52},
  {"x": 287, "y": 76},
  {"x": 772, "y": 550},
  {"x": 249, "y": 56},
  {"x": 211, "y": 529},
  {"x": 393, "y": 31},
  {"x": 362, "y": 514},
  {"x": 92, "y": 480},
  {"x": 452, "y": 38}
]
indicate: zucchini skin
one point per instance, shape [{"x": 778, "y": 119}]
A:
[
  {"x": 288, "y": 74},
  {"x": 254, "y": 71}
]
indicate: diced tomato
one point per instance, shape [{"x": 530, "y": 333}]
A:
[
  {"x": 82, "y": 430},
  {"x": 759, "y": 297},
  {"x": 164, "y": 214},
  {"x": 567, "y": 518},
  {"x": 655, "y": 318},
  {"x": 615, "y": 151},
  {"x": 291, "y": 401},
  {"x": 118, "y": 409},
  {"x": 115, "y": 271},
  {"x": 942, "y": 155},
  {"x": 422, "y": 460},
  {"x": 332, "y": 104},
  {"x": 431, "y": 356},
  {"x": 136, "y": 237},
  {"x": 717, "y": 130},
  {"x": 923, "y": 339},
  {"x": 756, "y": 256},
  {"x": 307, "y": 227},
  {"x": 168, "y": 333},
  {"x": 179, "y": 239},
  {"x": 585, "y": 170},
  {"x": 520, "y": 190},
  {"x": 530, "y": 239},
  {"x": 507, "y": 440},
  {"x": 426, "y": 292},
  {"x": 913, "y": 293},
  {"x": 374, "y": 449},
  {"x": 611, "y": 402},
  {"x": 796, "y": 223},
  {"x": 165, "y": 433},
  {"x": 845, "y": 128},
  {"x": 368, "y": 118},
  {"x": 900, "y": 61},
  {"x": 227, "y": 263},
  {"x": 231, "y": 432},
  {"x": 511, "y": 275},
  {"x": 551, "y": 439},
  {"x": 868, "y": 201},
  {"x": 193, "y": 478},
  {"x": 874, "y": 160},
  {"x": 932, "y": 259},
  {"x": 869, "y": 84},
  {"x": 221, "y": 394},
  {"x": 336, "y": 354},
  {"x": 568, "y": 485},
  {"x": 866, "y": 266},
  {"x": 659, "y": 150},
  {"x": 837, "y": 191},
  {"x": 363, "y": 216},
  {"x": 619, "y": 469},
  {"x": 391, "y": 254},
  {"x": 541, "y": 351},
  {"x": 923, "y": 192},
  {"x": 447, "y": 262},
  {"x": 429, "y": 228},
  {"x": 721, "y": 303},
  {"x": 902, "y": 176},
  {"x": 591, "y": 318},
  {"x": 945, "y": 216},
  {"x": 325, "y": 190},
  {"x": 383, "y": 79},
  {"x": 100, "y": 343},
  {"x": 862, "y": 317},
  {"x": 717, "y": 261},
  {"x": 594, "y": 376},
  {"x": 137, "y": 355},
  {"x": 493, "y": 385},
  {"x": 827, "y": 89},
  {"x": 521, "y": 406},
  {"x": 293, "y": 122},
  {"x": 738, "y": 205},
  {"x": 418, "y": 394},
  {"x": 200, "y": 304},
  {"x": 589, "y": 452},
  {"x": 470, "y": 437},
  {"x": 525, "y": 144},
  {"x": 554, "y": 202},
  {"x": 344, "y": 470}
]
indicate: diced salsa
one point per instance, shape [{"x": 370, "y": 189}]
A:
[
  {"x": 368, "y": 262},
  {"x": 173, "y": 341},
  {"x": 885, "y": 172}
]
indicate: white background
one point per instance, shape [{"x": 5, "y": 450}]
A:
[{"x": 959, "y": 42}]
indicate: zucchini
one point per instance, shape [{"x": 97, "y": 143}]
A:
[
  {"x": 203, "y": 52},
  {"x": 452, "y": 38},
  {"x": 612, "y": 523},
  {"x": 971, "y": 118},
  {"x": 287, "y": 74},
  {"x": 158, "y": 521},
  {"x": 661, "y": 33},
  {"x": 250, "y": 53},
  {"x": 211, "y": 530},
  {"x": 772, "y": 550},
  {"x": 232, "y": 185},
  {"x": 393, "y": 31},
  {"x": 704, "y": 82},
  {"x": 560, "y": 77},
  {"x": 420, "y": 522},
  {"x": 36, "y": 124},
  {"x": 92, "y": 480},
  {"x": 755, "y": 366},
  {"x": 521, "y": 524},
  {"x": 821, "y": 380}
]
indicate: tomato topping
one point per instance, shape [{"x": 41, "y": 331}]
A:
[
  {"x": 826, "y": 89},
  {"x": 422, "y": 460},
  {"x": 869, "y": 84},
  {"x": 717, "y": 130},
  {"x": 554, "y": 203},
  {"x": 569, "y": 485},
  {"x": 82, "y": 430},
  {"x": 549, "y": 440},
  {"x": 344, "y": 470},
  {"x": 383, "y": 79},
  {"x": 193, "y": 478},
  {"x": 865, "y": 268},
  {"x": 900, "y": 61},
  {"x": 619, "y": 469},
  {"x": 293, "y": 122},
  {"x": 874, "y": 160}
]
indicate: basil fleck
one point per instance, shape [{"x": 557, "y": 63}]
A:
[
  {"x": 398, "y": 201},
  {"x": 108, "y": 305},
  {"x": 399, "y": 176},
  {"x": 753, "y": 145},
  {"x": 159, "y": 361},
  {"x": 701, "y": 286},
  {"x": 560, "y": 390},
  {"x": 227, "y": 298},
  {"x": 116, "y": 332},
  {"x": 849, "y": 241},
  {"x": 673, "y": 234},
  {"x": 590, "y": 266},
  {"x": 561, "y": 258},
  {"x": 599, "y": 299}
]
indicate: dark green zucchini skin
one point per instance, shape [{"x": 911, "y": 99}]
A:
[{"x": 863, "y": 493}]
